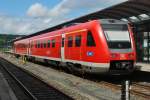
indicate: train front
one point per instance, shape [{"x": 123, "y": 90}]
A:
[{"x": 121, "y": 46}]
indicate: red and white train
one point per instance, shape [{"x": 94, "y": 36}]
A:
[{"x": 97, "y": 46}]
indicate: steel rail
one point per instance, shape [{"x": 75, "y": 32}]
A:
[{"x": 45, "y": 92}]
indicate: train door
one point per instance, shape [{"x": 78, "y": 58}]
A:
[
  {"x": 62, "y": 47},
  {"x": 29, "y": 48},
  {"x": 77, "y": 51}
]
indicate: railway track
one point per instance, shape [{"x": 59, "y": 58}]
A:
[
  {"x": 141, "y": 90},
  {"x": 33, "y": 88}
]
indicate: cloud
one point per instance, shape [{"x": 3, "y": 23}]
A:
[
  {"x": 70, "y": 6},
  {"x": 65, "y": 8},
  {"x": 40, "y": 17},
  {"x": 15, "y": 25},
  {"x": 37, "y": 10}
]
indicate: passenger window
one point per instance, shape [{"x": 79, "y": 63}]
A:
[
  {"x": 78, "y": 41},
  {"x": 41, "y": 44},
  {"x": 70, "y": 41},
  {"x": 44, "y": 44},
  {"x": 48, "y": 44},
  {"x": 32, "y": 44},
  {"x": 90, "y": 40},
  {"x": 53, "y": 43},
  {"x": 38, "y": 44}
]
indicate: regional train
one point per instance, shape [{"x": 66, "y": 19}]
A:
[{"x": 104, "y": 46}]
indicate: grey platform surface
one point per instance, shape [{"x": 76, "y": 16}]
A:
[
  {"x": 5, "y": 91},
  {"x": 143, "y": 67}
]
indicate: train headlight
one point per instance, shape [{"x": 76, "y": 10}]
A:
[{"x": 131, "y": 55}]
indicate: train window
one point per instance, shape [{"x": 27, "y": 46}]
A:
[
  {"x": 117, "y": 36},
  {"x": 38, "y": 44},
  {"x": 32, "y": 44},
  {"x": 70, "y": 41},
  {"x": 48, "y": 44},
  {"x": 53, "y": 43},
  {"x": 35, "y": 45},
  {"x": 62, "y": 42},
  {"x": 78, "y": 41},
  {"x": 44, "y": 44},
  {"x": 41, "y": 45},
  {"x": 90, "y": 39}
]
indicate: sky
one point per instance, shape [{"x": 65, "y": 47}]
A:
[{"x": 28, "y": 16}]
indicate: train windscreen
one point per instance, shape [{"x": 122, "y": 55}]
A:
[{"x": 117, "y": 36}]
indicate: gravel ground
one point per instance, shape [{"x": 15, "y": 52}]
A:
[{"x": 76, "y": 87}]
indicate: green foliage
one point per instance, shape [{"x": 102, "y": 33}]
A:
[{"x": 4, "y": 38}]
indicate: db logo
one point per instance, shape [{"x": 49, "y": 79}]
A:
[{"x": 90, "y": 53}]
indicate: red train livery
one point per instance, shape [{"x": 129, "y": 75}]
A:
[{"x": 97, "y": 46}]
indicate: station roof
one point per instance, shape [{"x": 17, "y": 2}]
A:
[{"x": 133, "y": 11}]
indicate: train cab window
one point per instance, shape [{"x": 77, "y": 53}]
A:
[
  {"x": 53, "y": 43},
  {"x": 70, "y": 41},
  {"x": 78, "y": 41},
  {"x": 44, "y": 44},
  {"x": 90, "y": 39},
  {"x": 48, "y": 44}
]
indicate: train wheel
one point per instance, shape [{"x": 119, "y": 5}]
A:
[
  {"x": 82, "y": 73},
  {"x": 32, "y": 59},
  {"x": 59, "y": 66},
  {"x": 46, "y": 61},
  {"x": 70, "y": 68}
]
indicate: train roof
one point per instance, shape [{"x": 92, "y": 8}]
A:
[
  {"x": 112, "y": 21},
  {"x": 106, "y": 21}
]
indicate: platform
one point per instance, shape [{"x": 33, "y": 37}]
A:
[
  {"x": 143, "y": 67},
  {"x": 5, "y": 91}
]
